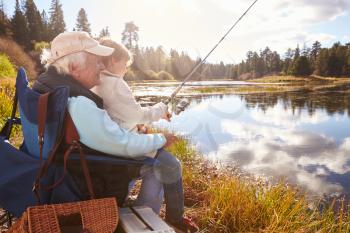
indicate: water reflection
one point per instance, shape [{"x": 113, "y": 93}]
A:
[{"x": 303, "y": 136}]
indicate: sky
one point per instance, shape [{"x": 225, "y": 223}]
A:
[{"x": 195, "y": 26}]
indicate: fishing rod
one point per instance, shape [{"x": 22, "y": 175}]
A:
[{"x": 195, "y": 68}]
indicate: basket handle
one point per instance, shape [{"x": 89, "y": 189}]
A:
[{"x": 73, "y": 221}]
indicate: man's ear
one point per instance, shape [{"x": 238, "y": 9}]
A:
[{"x": 73, "y": 70}]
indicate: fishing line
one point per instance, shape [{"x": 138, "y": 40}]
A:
[{"x": 195, "y": 68}]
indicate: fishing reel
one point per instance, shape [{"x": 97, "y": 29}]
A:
[{"x": 177, "y": 107}]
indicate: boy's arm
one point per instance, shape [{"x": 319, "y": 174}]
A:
[
  {"x": 99, "y": 132},
  {"x": 122, "y": 105}
]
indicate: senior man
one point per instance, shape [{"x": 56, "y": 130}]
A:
[{"x": 74, "y": 60}]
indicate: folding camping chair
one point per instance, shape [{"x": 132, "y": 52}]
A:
[{"x": 19, "y": 167}]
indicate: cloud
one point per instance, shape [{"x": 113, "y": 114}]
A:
[{"x": 286, "y": 152}]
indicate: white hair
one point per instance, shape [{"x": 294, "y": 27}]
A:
[{"x": 62, "y": 64}]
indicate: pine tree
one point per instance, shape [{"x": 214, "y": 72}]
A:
[
  {"x": 56, "y": 21},
  {"x": 45, "y": 31},
  {"x": 322, "y": 62},
  {"x": 315, "y": 50},
  {"x": 34, "y": 21},
  {"x": 266, "y": 58},
  {"x": 336, "y": 60},
  {"x": 5, "y": 27},
  {"x": 301, "y": 67},
  {"x": 174, "y": 59},
  {"x": 130, "y": 36},
  {"x": 82, "y": 22},
  {"x": 346, "y": 71},
  {"x": 275, "y": 63},
  {"x": 104, "y": 33},
  {"x": 19, "y": 26},
  {"x": 287, "y": 61},
  {"x": 295, "y": 59}
]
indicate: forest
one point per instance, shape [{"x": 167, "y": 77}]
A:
[{"x": 32, "y": 30}]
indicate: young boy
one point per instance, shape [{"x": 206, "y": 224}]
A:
[
  {"x": 165, "y": 177},
  {"x": 117, "y": 96}
]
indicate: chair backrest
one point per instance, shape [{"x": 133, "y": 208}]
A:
[
  {"x": 28, "y": 107},
  {"x": 19, "y": 168}
]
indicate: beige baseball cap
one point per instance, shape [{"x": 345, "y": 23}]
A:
[{"x": 72, "y": 42}]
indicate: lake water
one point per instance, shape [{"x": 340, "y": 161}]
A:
[{"x": 303, "y": 136}]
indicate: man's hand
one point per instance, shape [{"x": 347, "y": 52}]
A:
[
  {"x": 167, "y": 116},
  {"x": 142, "y": 129},
  {"x": 170, "y": 139}
]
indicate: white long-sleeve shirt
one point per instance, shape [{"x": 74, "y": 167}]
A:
[
  {"x": 121, "y": 105},
  {"x": 99, "y": 132}
]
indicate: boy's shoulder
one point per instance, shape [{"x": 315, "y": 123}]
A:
[{"x": 107, "y": 79}]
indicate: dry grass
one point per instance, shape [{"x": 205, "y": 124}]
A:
[
  {"x": 292, "y": 79},
  {"x": 18, "y": 57},
  {"x": 242, "y": 89}
]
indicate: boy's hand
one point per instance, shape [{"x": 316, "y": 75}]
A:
[
  {"x": 167, "y": 116},
  {"x": 142, "y": 129},
  {"x": 170, "y": 139}
]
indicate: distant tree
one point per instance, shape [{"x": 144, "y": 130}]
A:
[
  {"x": 341, "y": 52},
  {"x": 315, "y": 50},
  {"x": 234, "y": 72},
  {"x": 45, "y": 30},
  {"x": 258, "y": 65},
  {"x": 301, "y": 67},
  {"x": 275, "y": 63},
  {"x": 288, "y": 60},
  {"x": 139, "y": 64},
  {"x": 322, "y": 62},
  {"x": 34, "y": 21},
  {"x": 336, "y": 60},
  {"x": 305, "y": 51},
  {"x": 346, "y": 71},
  {"x": 130, "y": 36},
  {"x": 174, "y": 63},
  {"x": 104, "y": 33},
  {"x": 296, "y": 53},
  {"x": 5, "y": 26},
  {"x": 82, "y": 23},
  {"x": 249, "y": 61},
  {"x": 19, "y": 26},
  {"x": 56, "y": 21},
  {"x": 265, "y": 55},
  {"x": 295, "y": 59}
]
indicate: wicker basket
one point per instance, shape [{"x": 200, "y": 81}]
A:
[{"x": 95, "y": 216}]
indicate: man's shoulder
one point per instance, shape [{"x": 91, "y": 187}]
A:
[{"x": 81, "y": 101}]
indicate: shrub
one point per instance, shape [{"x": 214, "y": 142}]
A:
[
  {"x": 6, "y": 68},
  {"x": 17, "y": 56},
  {"x": 130, "y": 75},
  {"x": 151, "y": 75},
  {"x": 163, "y": 75},
  {"x": 39, "y": 46}
]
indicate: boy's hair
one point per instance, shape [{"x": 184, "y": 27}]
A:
[{"x": 120, "y": 51}]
